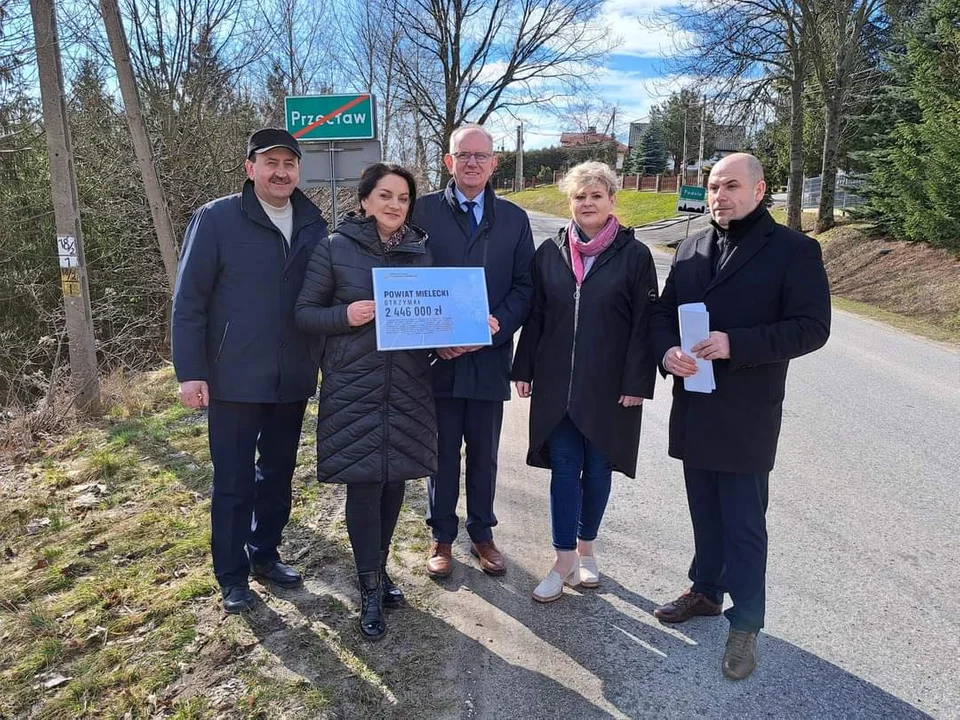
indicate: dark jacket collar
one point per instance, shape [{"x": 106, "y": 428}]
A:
[
  {"x": 750, "y": 243},
  {"x": 489, "y": 199},
  {"x": 739, "y": 228},
  {"x": 363, "y": 231},
  {"x": 304, "y": 211}
]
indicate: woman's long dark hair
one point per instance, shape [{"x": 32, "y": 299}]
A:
[{"x": 372, "y": 175}]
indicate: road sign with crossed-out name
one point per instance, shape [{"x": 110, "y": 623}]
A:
[{"x": 331, "y": 117}]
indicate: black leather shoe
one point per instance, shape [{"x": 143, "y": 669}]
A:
[
  {"x": 276, "y": 573},
  {"x": 392, "y": 595},
  {"x": 373, "y": 623},
  {"x": 237, "y": 599}
]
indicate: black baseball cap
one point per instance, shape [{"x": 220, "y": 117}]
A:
[{"x": 269, "y": 138}]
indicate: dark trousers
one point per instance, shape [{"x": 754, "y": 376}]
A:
[
  {"x": 372, "y": 512},
  {"x": 730, "y": 538},
  {"x": 476, "y": 422},
  {"x": 579, "y": 486},
  {"x": 251, "y": 494}
]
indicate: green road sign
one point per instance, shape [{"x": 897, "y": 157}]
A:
[
  {"x": 692, "y": 199},
  {"x": 331, "y": 117}
]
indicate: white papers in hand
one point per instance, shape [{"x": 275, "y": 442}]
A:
[{"x": 694, "y": 327}]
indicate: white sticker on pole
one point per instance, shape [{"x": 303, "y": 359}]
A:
[{"x": 67, "y": 251}]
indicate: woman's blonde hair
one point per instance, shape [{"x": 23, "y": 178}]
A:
[{"x": 588, "y": 173}]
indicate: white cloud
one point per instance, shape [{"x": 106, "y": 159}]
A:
[{"x": 639, "y": 31}]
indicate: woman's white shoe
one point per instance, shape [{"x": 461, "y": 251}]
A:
[
  {"x": 551, "y": 587},
  {"x": 589, "y": 575}
]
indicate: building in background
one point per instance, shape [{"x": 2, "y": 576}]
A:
[{"x": 592, "y": 138}]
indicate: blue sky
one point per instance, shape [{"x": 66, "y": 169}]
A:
[{"x": 633, "y": 78}]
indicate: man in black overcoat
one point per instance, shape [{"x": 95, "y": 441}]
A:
[
  {"x": 766, "y": 290},
  {"x": 469, "y": 225}
]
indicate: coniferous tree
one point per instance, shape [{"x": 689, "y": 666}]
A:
[
  {"x": 913, "y": 186},
  {"x": 652, "y": 156}
]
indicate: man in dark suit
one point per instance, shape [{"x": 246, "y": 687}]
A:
[
  {"x": 766, "y": 290},
  {"x": 238, "y": 353},
  {"x": 468, "y": 225}
]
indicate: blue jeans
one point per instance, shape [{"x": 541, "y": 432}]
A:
[{"x": 579, "y": 486}]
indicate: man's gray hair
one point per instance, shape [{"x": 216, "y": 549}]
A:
[
  {"x": 467, "y": 127},
  {"x": 588, "y": 173}
]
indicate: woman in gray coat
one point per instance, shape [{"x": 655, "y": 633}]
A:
[{"x": 376, "y": 426}]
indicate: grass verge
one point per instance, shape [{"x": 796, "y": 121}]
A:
[
  {"x": 633, "y": 208},
  {"x": 109, "y": 607}
]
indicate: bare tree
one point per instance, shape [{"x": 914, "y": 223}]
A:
[
  {"x": 756, "y": 48},
  {"x": 294, "y": 39},
  {"x": 372, "y": 51},
  {"x": 164, "y": 42},
  {"x": 838, "y": 59},
  {"x": 141, "y": 141},
  {"x": 472, "y": 58},
  {"x": 583, "y": 112}
]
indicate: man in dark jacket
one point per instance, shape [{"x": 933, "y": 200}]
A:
[
  {"x": 468, "y": 225},
  {"x": 766, "y": 290},
  {"x": 237, "y": 352}
]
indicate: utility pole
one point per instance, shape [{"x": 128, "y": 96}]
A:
[
  {"x": 703, "y": 116},
  {"x": 519, "y": 174},
  {"x": 66, "y": 211},
  {"x": 141, "y": 142},
  {"x": 682, "y": 180}
]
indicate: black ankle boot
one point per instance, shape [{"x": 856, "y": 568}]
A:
[
  {"x": 392, "y": 595},
  {"x": 373, "y": 624}
]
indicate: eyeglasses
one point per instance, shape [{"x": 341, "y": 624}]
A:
[{"x": 480, "y": 157}]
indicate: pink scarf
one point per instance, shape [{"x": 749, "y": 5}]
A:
[{"x": 601, "y": 241}]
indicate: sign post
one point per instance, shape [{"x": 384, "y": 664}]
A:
[{"x": 344, "y": 127}]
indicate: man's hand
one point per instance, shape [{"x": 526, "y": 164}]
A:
[
  {"x": 195, "y": 394},
  {"x": 494, "y": 325},
  {"x": 450, "y": 353},
  {"x": 360, "y": 312},
  {"x": 715, "y": 347},
  {"x": 523, "y": 388},
  {"x": 677, "y": 362},
  {"x": 630, "y": 401}
]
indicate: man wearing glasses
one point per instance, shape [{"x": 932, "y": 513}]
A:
[{"x": 469, "y": 226}]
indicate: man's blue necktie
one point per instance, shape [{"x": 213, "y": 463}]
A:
[{"x": 470, "y": 205}]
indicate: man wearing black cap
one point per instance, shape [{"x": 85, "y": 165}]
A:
[{"x": 237, "y": 352}]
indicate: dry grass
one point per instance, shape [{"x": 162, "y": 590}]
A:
[
  {"x": 106, "y": 590},
  {"x": 918, "y": 286}
]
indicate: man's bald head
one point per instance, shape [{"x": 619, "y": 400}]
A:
[
  {"x": 735, "y": 188},
  {"x": 741, "y": 161}
]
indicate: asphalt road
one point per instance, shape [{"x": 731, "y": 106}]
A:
[{"x": 863, "y": 578}]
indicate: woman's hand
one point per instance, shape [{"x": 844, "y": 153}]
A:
[
  {"x": 630, "y": 401},
  {"x": 360, "y": 312},
  {"x": 523, "y": 388}
]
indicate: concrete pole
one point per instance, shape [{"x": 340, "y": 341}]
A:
[
  {"x": 162, "y": 224},
  {"x": 683, "y": 160},
  {"x": 519, "y": 173},
  {"x": 66, "y": 210},
  {"x": 703, "y": 115}
]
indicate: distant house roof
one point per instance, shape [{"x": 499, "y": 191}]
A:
[{"x": 590, "y": 137}]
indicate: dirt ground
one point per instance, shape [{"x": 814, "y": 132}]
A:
[{"x": 909, "y": 279}]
